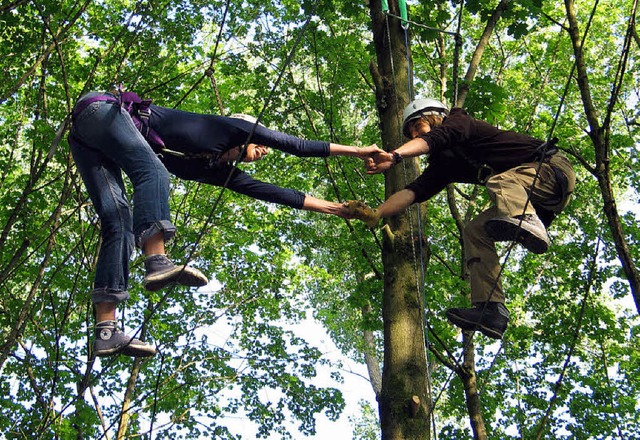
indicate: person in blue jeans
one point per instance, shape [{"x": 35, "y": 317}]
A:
[{"x": 118, "y": 132}]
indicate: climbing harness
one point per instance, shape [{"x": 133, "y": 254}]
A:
[
  {"x": 137, "y": 108},
  {"x": 140, "y": 113}
]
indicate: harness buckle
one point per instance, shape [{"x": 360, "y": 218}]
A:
[
  {"x": 484, "y": 172},
  {"x": 547, "y": 149}
]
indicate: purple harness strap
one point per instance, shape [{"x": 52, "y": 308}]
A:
[{"x": 137, "y": 108}]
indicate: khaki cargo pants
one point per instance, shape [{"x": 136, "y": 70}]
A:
[{"x": 510, "y": 193}]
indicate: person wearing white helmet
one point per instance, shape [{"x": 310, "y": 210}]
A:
[{"x": 467, "y": 150}]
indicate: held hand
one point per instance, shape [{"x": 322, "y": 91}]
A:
[
  {"x": 361, "y": 211},
  {"x": 366, "y": 152},
  {"x": 379, "y": 162}
]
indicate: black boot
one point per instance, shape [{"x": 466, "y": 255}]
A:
[
  {"x": 161, "y": 272},
  {"x": 491, "y": 318}
]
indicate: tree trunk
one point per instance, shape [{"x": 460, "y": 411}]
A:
[
  {"x": 125, "y": 413},
  {"x": 480, "y": 47},
  {"x": 370, "y": 359},
  {"x": 468, "y": 376},
  {"x": 404, "y": 400}
]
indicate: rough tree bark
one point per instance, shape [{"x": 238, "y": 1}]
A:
[{"x": 404, "y": 399}]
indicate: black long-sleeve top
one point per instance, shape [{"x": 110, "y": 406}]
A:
[
  {"x": 482, "y": 143},
  {"x": 187, "y": 132}
]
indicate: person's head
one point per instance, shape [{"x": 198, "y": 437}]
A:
[
  {"x": 421, "y": 115},
  {"x": 253, "y": 151}
]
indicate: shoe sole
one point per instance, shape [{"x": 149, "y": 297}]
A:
[
  {"x": 505, "y": 231},
  {"x": 184, "y": 276},
  {"x": 136, "y": 352},
  {"x": 465, "y": 324},
  {"x": 127, "y": 350}
]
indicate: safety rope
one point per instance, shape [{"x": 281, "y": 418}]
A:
[
  {"x": 238, "y": 160},
  {"x": 154, "y": 308},
  {"x": 576, "y": 332},
  {"x": 455, "y": 75},
  {"x": 573, "y": 68},
  {"x": 513, "y": 243},
  {"x": 545, "y": 146},
  {"x": 418, "y": 268},
  {"x": 209, "y": 70}
]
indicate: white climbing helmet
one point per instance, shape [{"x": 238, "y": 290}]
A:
[
  {"x": 247, "y": 118},
  {"x": 419, "y": 108}
]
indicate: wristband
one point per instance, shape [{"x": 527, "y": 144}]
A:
[{"x": 396, "y": 157}]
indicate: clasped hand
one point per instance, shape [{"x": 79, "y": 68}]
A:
[
  {"x": 378, "y": 162},
  {"x": 375, "y": 159}
]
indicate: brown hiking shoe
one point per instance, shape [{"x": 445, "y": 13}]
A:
[{"x": 527, "y": 230}]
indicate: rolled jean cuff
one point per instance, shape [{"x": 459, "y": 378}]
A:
[
  {"x": 105, "y": 294},
  {"x": 164, "y": 226}
]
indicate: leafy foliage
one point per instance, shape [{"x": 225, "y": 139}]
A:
[{"x": 227, "y": 350}]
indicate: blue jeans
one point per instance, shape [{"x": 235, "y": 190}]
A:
[{"x": 109, "y": 143}]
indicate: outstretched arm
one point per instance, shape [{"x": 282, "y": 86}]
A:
[
  {"x": 326, "y": 207},
  {"x": 350, "y": 150},
  {"x": 379, "y": 162},
  {"x": 397, "y": 203},
  {"x": 415, "y": 147}
]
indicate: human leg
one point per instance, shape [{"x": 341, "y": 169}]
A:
[
  {"x": 105, "y": 144},
  {"x": 482, "y": 260},
  {"x": 488, "y": 313},
  {"x": 514, "y": 193},
  {"x": 152, "y": 226},
  {"x": 105, "y": 187},
  {"x": 113, "y": 134},
  {"x": 160, "y": 270},
  {"x": 104, "y": 184}
]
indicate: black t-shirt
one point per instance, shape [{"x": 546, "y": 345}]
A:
[{"x": 461, "y": 135}]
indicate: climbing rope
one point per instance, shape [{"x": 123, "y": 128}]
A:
[
  {"x": 419, "y": 269},
  {"x": 152, "y": 309},
  {"x": 246, "y": 143},
  {"x": 545, "y": 146}
]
